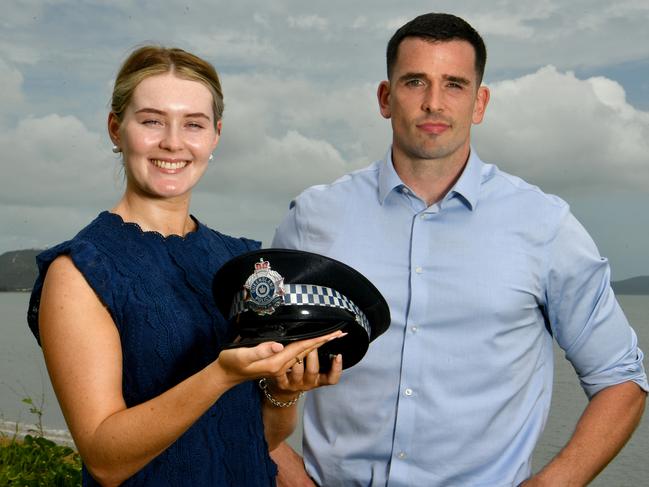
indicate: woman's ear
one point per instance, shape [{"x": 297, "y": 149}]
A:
[{"x": 113, "y": 128}]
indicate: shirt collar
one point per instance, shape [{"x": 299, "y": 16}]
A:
[
  {"x": 466, "y": 188},
  {"x": 388, "y": 177}
]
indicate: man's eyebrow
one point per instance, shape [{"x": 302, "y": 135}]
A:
[
  {"x": 161, "y": 112},
  {"x": 412, "y": 75},
  {"x": 457, "y": 79}
]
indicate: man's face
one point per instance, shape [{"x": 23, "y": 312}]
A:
[{"x": 432, "y": 99}]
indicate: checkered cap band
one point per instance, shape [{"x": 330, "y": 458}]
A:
[{"x": 309, "y": 294}]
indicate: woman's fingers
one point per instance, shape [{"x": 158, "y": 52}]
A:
[
  {"x": 336, "y": 370},
  {"x": 306, "y": 375},
  {"x": 303, "y": 347},
  {"x": 312, "y": 366},
  {"x": 272, "y": 358}
]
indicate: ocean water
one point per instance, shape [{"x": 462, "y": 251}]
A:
[{"x": 23, "y": 374}]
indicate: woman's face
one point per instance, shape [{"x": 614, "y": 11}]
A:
[{"x": 166, "y": 136}]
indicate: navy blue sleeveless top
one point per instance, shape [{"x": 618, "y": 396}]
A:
[{"x": 159, "y": 293}]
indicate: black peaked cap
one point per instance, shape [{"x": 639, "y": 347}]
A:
[{"x": 364, "y": 315}]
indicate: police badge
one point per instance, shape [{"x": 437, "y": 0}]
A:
[{"x": 264, "y": 289}]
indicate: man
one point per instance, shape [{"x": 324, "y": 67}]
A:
[{"x": 481, "y": 271}]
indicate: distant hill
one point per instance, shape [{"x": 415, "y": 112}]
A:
[
  {"x": 635, "y": 285},
  {"x": 18, "y": 270}
]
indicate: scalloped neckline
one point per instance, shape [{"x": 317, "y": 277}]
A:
[{"x": 155, "y": 233}]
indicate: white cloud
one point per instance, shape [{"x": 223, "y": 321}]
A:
[
  {"x": 609, "y": 13},
  {"x": 11, "y": 81},
  {"x": 232, "y": 47},
  {"x": 280, "y": 136},
  {"x": 565, "y": 133},
  {"x": 517, "y": 20},
  {"x": 277, "y": 168},
  {"x": 359, "y": 22},
  {"x": 56, "y": 160},
  {"x": 300, "y": 81},
  {"x": 307, "y": 22},
  {"x": 19, "y": 53},
  {"x": 38, "y": 226}
]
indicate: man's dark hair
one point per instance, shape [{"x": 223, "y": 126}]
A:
[{"x": 439, "y": 27}]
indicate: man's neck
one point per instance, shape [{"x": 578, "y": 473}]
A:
[{"x": 430, "y": 179}]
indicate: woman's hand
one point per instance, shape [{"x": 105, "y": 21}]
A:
[
  {"x": 304, "y": 374},
  {"x": 283, "y": 386},
  {"x": 294, "y": 367}
]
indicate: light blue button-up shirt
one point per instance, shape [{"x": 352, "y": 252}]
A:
[{"x": 457, "y": 391}]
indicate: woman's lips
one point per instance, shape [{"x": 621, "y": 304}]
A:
[{"x": 169, "y": 165}]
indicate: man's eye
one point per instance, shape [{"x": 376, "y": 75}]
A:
[{"x": 414, "y": 82}]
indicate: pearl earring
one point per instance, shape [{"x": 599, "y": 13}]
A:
[
  {"x": 116, "y": 149},
  {"x": 211, "y": 157}
]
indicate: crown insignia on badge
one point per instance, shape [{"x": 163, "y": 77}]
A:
[{"x": 264, "y": 289}]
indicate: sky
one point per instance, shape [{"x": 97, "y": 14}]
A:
[{"x": 569, "y": 110}]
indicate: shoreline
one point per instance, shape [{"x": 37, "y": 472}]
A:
[{"x": 11, "y": 429}]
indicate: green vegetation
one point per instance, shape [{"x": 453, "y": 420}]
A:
[{"x": 36, "y": 461}]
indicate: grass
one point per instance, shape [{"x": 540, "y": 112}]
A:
[{"x": 35, "y": 461}]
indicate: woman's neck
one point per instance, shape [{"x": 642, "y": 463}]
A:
[{"x": 165, "y": 216}]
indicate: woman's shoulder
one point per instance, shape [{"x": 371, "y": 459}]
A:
[
  {"x": 227, "y": 243},
  {"x": 82, "y": 256},
  {"x": 81, "y": 245}
]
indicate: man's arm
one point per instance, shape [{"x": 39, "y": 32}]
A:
[
  {"x": 291, "y": 467},
  {"x": 603, "y": 429}
]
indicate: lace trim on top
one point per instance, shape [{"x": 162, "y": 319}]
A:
[{"x": 153, "y": 233}]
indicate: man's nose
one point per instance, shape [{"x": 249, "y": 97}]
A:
[{"x": 433, "y": 99}]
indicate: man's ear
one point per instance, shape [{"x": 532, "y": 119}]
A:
[
  {"x": 383, "y": 95},
  {"x": 480, "y": 105}
]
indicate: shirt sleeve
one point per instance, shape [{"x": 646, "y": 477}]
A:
[
  {"x": 287, "y": 234},
  {"x": 584, "y": 315}
]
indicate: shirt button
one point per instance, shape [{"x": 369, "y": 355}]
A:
[
  {"x": 405, "y": 190},
  {"x": 401, "y": 455},
  {"x": 414, "y": 328},
  {"x": 423, "y": 216},
  {"x": 408, "y": 392},
  {"x": 418, "y": 270}
]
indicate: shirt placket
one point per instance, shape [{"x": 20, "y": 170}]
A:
[{"x": 404, "y": 450}]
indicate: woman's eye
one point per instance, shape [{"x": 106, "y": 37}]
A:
[{"x": 151, "y": 122}]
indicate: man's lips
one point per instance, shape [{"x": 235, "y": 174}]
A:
[{"x": 433, "y": 127}]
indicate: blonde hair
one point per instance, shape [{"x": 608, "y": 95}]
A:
[{"x": 149, "y": 61}]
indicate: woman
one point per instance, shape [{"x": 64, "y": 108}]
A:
[{"x": 125, "y": 314}]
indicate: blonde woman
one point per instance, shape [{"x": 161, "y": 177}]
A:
[{"x": 125, "y": 315}]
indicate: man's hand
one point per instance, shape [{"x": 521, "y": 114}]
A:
[{"x": 291, "y": 468}]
